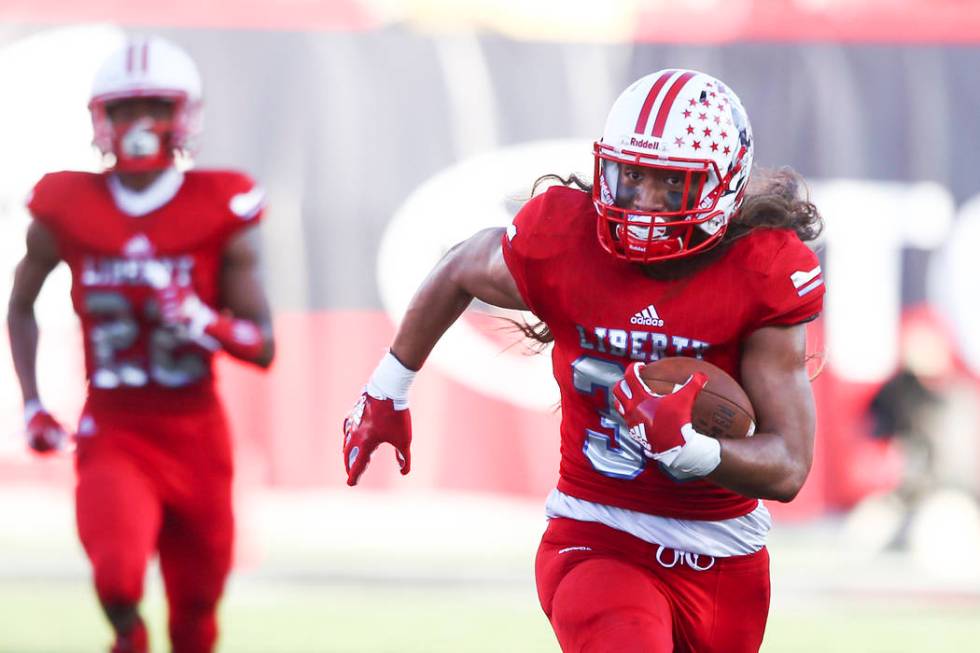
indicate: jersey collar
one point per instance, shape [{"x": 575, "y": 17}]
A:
[{"x": 154, "y": 196}]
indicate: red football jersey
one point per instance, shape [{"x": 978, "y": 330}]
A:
[
  {"x": 132, "y": 360},
  {"x": 605, "y": 313}
]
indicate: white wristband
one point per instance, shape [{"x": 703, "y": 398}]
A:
[
  {"x": 699, "y": 456},
  {"x": 391, "y": 380},
  {"x": 31, "y": 408}
]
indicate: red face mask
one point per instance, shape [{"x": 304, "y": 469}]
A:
[
  {"x": 645, "y": 237},
  {"x": 145, "y": 140}
]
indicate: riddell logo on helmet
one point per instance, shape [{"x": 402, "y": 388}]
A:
[{"x": 644, "y": 143}]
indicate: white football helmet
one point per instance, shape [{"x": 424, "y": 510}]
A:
[
  {"x": 679, "y": 121},
  {"x": 147, "y": 67}
]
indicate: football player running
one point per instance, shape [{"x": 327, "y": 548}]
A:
[
  {"x": 164, "y": 273},
  {"x": 657, "y": 543}
]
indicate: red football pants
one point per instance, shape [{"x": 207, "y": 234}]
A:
[
  {"x": 606, "y": 591},
  {"x": 159, "y": 483}
]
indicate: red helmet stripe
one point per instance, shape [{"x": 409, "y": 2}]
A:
[
  {"x": 675, "y": 89},
  {"x": 145, "y": 56},
  {"x": 641, "y": 123},
  {"x": 129, "y": 58}
]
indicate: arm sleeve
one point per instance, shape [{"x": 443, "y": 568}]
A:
[{"x": 792, "y": 291}]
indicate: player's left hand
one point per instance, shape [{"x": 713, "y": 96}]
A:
[
  {"x": 44, "y": 433},
  {"x": 660, "y": 423},
  {"x": 372, "y": 421},
  {"x": 182, "y": 309}
]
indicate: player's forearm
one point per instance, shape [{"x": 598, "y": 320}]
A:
[
  {"x": 260, "y": 355},
  {"x": 437, "y": 304},
  {"x": 23, "y": 333},
  {"x": 774, "y": 463},
  {"x": 268, "y": 352},
  {"x": 246, "y": 337},
  {"x": 242, "y": 339},
  {"x": 762, "y": 467}
]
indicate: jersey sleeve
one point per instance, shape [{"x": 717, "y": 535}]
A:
[
  {"x": 44, "y": 200},
  {"x": 246, "y": 199},
  {"x": 792, "y": 290},
  {"x": 521, "y": 253},
  {"x": 237, "y": 202}
]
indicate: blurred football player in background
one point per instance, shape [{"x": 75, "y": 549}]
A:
[
  {"x": 164, "y": 273},
  {"x": 656, "y": 534},
  {"x": 928, "y": 408}
]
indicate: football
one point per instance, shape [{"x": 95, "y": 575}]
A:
[{"x": 721, "y": 410}]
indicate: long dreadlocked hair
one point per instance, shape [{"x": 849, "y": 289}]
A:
[{"x": 775, "y": 199}]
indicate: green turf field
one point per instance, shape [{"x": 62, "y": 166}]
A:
[
  {"x": 271, "y": 617},
  {"x": 444, "y": 573}
]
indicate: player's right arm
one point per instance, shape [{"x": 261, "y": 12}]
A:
[
  {"x": 472, "y": 269},
  {"x": 41, "y": 257},
  {"x": 44, "y": 433}
]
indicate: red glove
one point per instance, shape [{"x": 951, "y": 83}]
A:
[
  {"x": 44, "y": 433},
  {"x": 181, "y": 308},
  {"x": 371, "y": 422},
  {"x": 661, "y": 424}
]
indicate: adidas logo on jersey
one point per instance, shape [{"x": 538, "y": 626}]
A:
[
  {"x": 139, "y": 246},
  {"x": 647, "y": 317}
]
